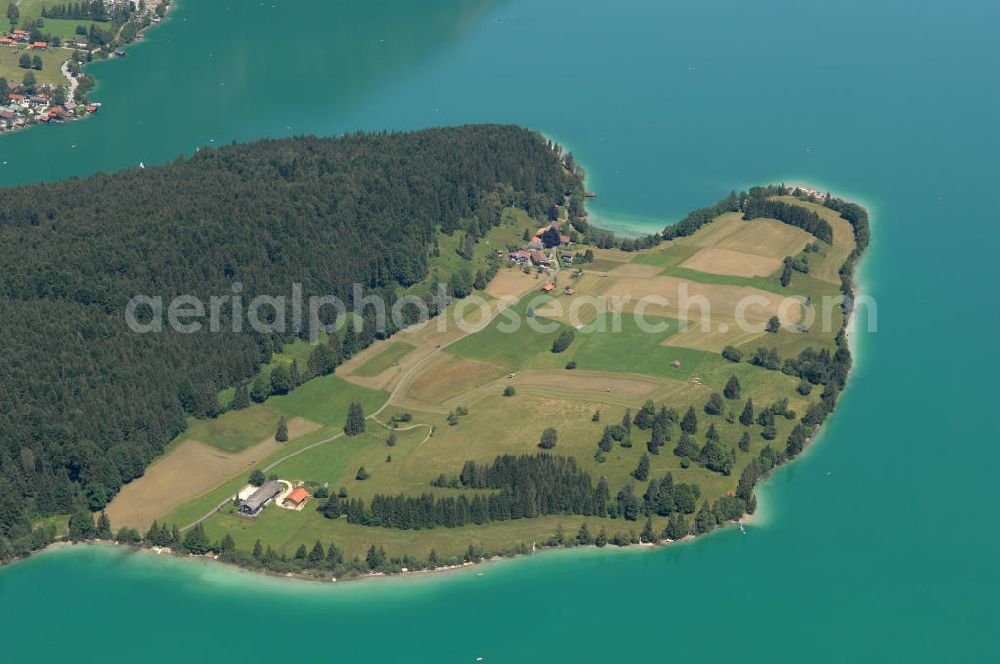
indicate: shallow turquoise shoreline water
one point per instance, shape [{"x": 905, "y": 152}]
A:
[{"x": 876, "y": 545}]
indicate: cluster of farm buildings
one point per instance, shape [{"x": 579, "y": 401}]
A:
[
  {"x": 534, "y": 251},
  {"x": 254, "y": 499}
]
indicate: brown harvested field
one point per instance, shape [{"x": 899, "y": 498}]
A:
[
  {"x": 714, "y": 339},
  {"x": 636, "y": 270},
  {"x": 189, "y": 470},
  {"x": 712, "y": 234},
  {"x": 723, "y": 300},
  {"x": 596, "y": 385},
  {"x": 767, "y": 237},
  {"x": 715, "y": 260},
  {"x": 447, "y": 376},
  {"x": 511, "y": 282},
  {"x": 762, "y": 237}
]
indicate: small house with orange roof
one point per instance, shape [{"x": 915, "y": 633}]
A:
[
  {"x": 296, "y": 498},
  {"x": 547, "y": 288},
  {"x": 39, "y": 44}
]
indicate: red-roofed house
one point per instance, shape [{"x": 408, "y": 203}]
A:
[
  {"x": 547, "y": 288},
  {"x": 39, "y": 44},
  {"x": 519, "y": 256},
  {"x": 297, "y": 496}
]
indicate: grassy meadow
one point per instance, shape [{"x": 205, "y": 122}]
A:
[{"x": 616, "y": 370}]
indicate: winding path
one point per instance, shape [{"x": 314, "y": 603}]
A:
[
  {"x": 392, "y": 395},
  {"x": 71, "y": 95}
]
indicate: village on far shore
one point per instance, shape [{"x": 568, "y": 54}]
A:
[{"x": 42, "y": 57}]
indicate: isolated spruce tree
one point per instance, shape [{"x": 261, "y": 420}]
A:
[
  {"x": 563, "y": 341},
  {"x": 732, "y": 389},
  {"x": 317, "y": 554},
  {"x": 258, "y": 550},
  {"x": 391, "y": 440},
  {"x": 786, "y": 272},
  {"x": 583, "y": 536},
  {"x": 256, "y": 477},
  {"x": 301, "y": 552},
  {"x": 606, "y": 441},
  {"x": 355, "y": 424},
  {"x": 548, "y": 440},
  {"x": 747, "y": 416},
  {"x": 295, "y": 374},
  {"x": 641, "y": 472},
  {"x": 715, "y": 405},
  {"x": 712, "y": 435},
  {"x": 228, "y": 545},
  {"x": 745, "y": 442},
  {"x": 281, "y": 435},
  {"x": 690, "y": 422},
  {"x": 627, "y": 421},
  {"x": 362, "y": 474}
]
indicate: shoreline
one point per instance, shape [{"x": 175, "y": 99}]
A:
[
  {"x": 214, "y": 561},
  {"x": 748, "y": 518},
  {"x": 23, "y": 106}
]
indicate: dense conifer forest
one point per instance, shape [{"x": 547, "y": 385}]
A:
[{"x": 86, "y": 404}]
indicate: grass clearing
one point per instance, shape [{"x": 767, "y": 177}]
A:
[
  {"x": 52, "y": 59},
  {"x": 234, "y": 431},
  {"x": 326, "y": 399},
  {"x": 389, "y": 357}
]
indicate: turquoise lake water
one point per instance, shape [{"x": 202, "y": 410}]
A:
[{"x": 879, "y": 544}]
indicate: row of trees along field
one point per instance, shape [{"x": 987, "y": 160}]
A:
[
  {"x": 519, "y": 487},
  {"x": 86, "y": 404},
  {"x": 756, "y": 203}
]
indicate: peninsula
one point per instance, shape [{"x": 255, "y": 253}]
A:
[{"x": 544, "y": 384}]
